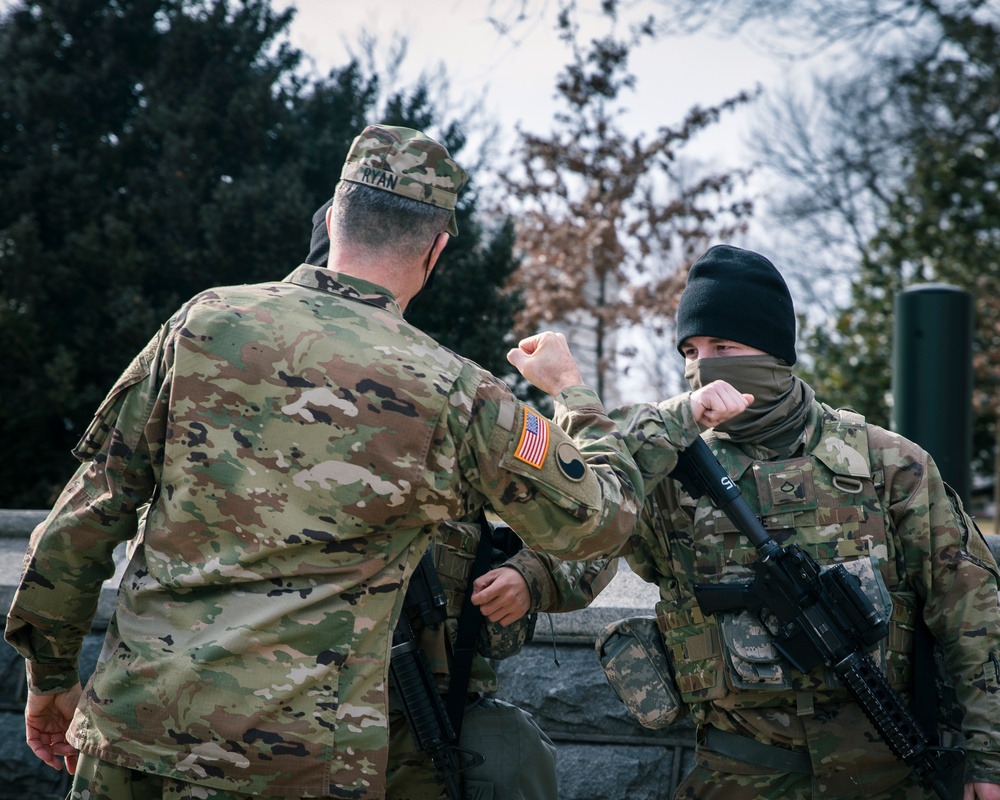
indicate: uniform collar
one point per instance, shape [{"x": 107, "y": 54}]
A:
[
  {"x": 737, "y": 458},
  {"x": 346, "y": 286}
]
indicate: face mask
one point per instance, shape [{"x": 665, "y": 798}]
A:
[
  {"x": 428, "y": 279},
  {"x": 781, "y": 400},
  {"x": 767, "y": 378}
]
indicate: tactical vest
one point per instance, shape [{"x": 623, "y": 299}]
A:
[
  {"x": 453, "y": 552},
  {"x": 828, "y": 502}
]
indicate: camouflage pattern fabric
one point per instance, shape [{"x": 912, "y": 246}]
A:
[
  {"x": 859, "y": 494},
  {"x": 716, "y": 777},
  {"x": 99, "y": 780},
  {"x": 408, "y": 163},
  {"x": 558, "y": 586},
  {"x": 637, "y": 668},
  {"x": 555, "y": 586},
  {"x": 298, "y": 442}
]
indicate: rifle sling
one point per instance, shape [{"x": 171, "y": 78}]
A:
[
  {"x": 743, "y": 748},
  {"x": 925, "y": 693},
  {"x": 470, "y": 619}
]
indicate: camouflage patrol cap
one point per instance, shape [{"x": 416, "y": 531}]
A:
[{"x": 408, "y": 163}]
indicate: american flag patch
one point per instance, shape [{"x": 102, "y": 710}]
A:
[{"x": 534, "y": 444}]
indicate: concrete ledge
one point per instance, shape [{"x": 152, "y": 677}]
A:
[{"x": 19, "y": 523}]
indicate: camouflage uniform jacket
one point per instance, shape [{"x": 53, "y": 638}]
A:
[
  {"x": 859, "y": 495},
  {"x": 298, "y": 442}
]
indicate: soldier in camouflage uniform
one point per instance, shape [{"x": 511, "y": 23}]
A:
[
  {"x": 297, "y": 443},
  {"x": 520, "y": 760},
  {"x": 845, "y": 491}
]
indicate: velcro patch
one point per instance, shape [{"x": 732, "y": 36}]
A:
[
  {"x": 570, "y": 462},
  {"x": 534, "y": 444}
]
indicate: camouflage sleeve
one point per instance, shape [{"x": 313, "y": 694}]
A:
[
  {"x": 644, "y": 553},
  {"x": 654, "y": 434},
  {"x": 574, "y": 496},
  {"x": 949, "y": 564},
  {"x": 96, "y": 511},
  {"x": 557, "y": 586}
]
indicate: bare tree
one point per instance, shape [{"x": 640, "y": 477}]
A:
[{"x": 607, "y": 222}]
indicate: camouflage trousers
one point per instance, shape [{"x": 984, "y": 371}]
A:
[
  {"x": 708, "y": 784},
  {"x": 520, "y": 759},
  {"x": 833, "y": 753},
  {"x": 862, "y": 769},
  {"x": 100, "y": 780}
]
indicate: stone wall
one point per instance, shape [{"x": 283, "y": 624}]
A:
[{"x": 603, "y": 754}]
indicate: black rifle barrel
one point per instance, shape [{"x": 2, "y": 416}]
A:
[
  {"x": 700, "y": 472},
  {"x": 425, "y": 713}
]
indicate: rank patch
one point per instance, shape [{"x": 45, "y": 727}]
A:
[{"x": 534, "y": 444}]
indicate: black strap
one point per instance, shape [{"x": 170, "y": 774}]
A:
[
  {"x": 925, "y": 692},
  {"x": 470, "y": 619},
  {"x": 743, "y": 748}
]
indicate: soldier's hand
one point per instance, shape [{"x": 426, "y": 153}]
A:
[
  {"x": 545, "y": 360},
  {"x": 717, "y": 402},
  {"x": 981, "y": 791},
  {"x": 502, "y": 594},
  {"x": 46, "y": 720}
]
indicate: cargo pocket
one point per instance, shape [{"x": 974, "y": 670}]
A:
[
  {"x": 694, "y": 648},
  {"x": 899, "y": 644},
  {"x": 991, "y": 684},
  {"x": 752, "y": 661},
  {"x": 635, "y": 663}
]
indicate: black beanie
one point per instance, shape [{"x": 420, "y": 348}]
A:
[
  {"x": 319, "y": 246},
  {"x": 738, "y": 295}
]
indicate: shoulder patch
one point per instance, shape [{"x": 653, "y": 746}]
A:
[
  {"x": 534, "y": 443},
  {"x": 570, "y": 462}
]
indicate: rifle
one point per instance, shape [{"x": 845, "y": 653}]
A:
[
  {"x": 816, "y": 616},
  {"x": 414, "y": 683}
]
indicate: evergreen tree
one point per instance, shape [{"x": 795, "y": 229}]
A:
[
  {"x": 942, "y": 224},
  {"x": 150, "y": 149}
]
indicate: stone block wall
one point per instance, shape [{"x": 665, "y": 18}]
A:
[{"x": 602, "y": 752}]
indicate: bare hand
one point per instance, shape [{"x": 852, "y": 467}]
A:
[
  {"x": 981, "y": 791},
  {"x": 717, "y": 402},
  {"x": 502, "y": 594},
  {"x": 46, "y": 720},
  {"x": 545, "y": 360}
]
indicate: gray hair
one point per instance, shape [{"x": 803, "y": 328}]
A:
[{"x": 384, "y": 222}]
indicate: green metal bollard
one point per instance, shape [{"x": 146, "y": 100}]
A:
[{"x": 932, "y": 377}]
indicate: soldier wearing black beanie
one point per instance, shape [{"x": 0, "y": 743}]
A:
[
  {"x": 813, "y": 475},
  {"x": 738, "y": 295}
]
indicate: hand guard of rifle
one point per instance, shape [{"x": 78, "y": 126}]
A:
[
  {"x": 816, "y": 617},
  {"x": 425, "y": 713}
]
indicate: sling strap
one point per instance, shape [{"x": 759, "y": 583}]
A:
[
  {"x": 748, "y": 750},
  {"x": 470, "y": 619}
]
